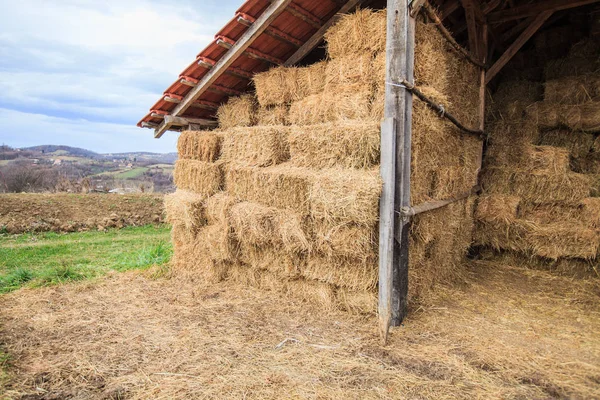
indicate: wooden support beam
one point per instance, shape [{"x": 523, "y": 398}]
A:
[
  {"x": 228, "y": 43},
  {"x": 470, "y": 15},
  {"x": 225, "y": 90},
  {"x": 516, "y": 46},
  {"x": 234, "y": 71},
  {"x": 448, "y": 9},
  {"x": 248, "y": 20},
  {"x": 395, "y": 168},
  {"x": 415, "y": 7},
  {"x": 304, "y": 15},
  {"x": 536, "y": 9},
  {"x": 185, "y": 121},
  {"x": 262, "y": 22},
  {"x": 318, "y": 36},
  {"x": 149, "y": 125}
]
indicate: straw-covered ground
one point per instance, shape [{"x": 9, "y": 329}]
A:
[{"x": 507, "y": 333}]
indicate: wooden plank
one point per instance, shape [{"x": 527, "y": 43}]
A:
[
  {"x": 390, "y": 295},
  {"x": 482, "y": 89},
  {"x": 304, "y": 15},
  {"x": 386, "y": 224},
  {"x": 531, "y": 10},
  {"x": 181, "y": 121},
  {"x": 253, "y": 32},
  {"x": 472, "y": 27},
  {"x": 317, "y": 37},
  {"x": 415, "y": 7},
  {"x": 516, "y": 46}
]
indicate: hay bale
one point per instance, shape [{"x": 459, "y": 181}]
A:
[
  {"x": 218, "y": 207},
  {"x": 334, "y": 105},
  {"x": 346, "y": 196},
  {"x": 578, "y": 144},
  {"x": 282, "y": 186},
  {"x": 182, "y": 237},
  {"x": 509, "y": 143},
  {"x": 353, "y": 69},
  {"x": 345, "y": 240},
  {"x": 345, "y": 145},
  {"x": 497, "y": 208},
  {"x": 579, "y": 117},
  {"x": 342, "y": 272},
  {"x": 259, "y": 226},
  {"x": 279, "y": 85},
  {"x": 590, "y": 212},
  {"x": 360, "y": 32},
  {"x": 311, "y": 79},
  {"x": 431, "y": 57},
  {"x": 273, "y": 115},
  {"x": 185, "y": 209},
  {"x": 272, "y": 259},
  {"x": 546, "y": 159},
  {"x": 512, "y": 98},
  {"x": 560, "y": 240},
  {"x": 259, "y": 146},
  {"x": 537, "y": 187},
  {"x": 216, "y": 242},
  {"x": 238, "y": 111},
  {"x": 573, "y": 90},
  {"x": 201, "y": 177},
  {"x": 200, "y": 146}
]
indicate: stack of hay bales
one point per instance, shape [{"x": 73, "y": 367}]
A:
[
  {"x": 285, "y": 195},
  {"x": 543, "y": 167}
]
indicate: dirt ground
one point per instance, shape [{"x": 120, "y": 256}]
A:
[
  {"x": 508, "y": 333},
  {"x": 73, "y": 212}
]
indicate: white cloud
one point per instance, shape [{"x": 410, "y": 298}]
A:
[{"x": 101, "y": 62}]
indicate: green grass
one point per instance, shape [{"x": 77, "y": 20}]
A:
[
  {"x": 43, "y": 259},
  {"x": 132, "y": 173}
]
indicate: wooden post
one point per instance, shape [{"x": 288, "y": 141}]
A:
[{"x": 395, "y": 168}]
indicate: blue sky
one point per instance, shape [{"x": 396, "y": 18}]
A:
[{"x": 83, "y": 72}]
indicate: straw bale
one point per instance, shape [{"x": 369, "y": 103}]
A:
[
  {"x": 273, "y": 115},
  {"x": 357, "y": 302},
  {"x": 345, "y": 145},
  {"x": 217, "y": 242},
  {"x": 360, "y": 32},
  {"x": 571, "y": 66},
  {"x": 259, "y": 146},
  {"x": 281, "y": 186},
  {"x": 198, "y": 176},
  {"x": 559, "y": 240},
  {"x": 377, "y": 105},
  {"x": 257, "y": 225},
  {"x": 512, "y": 98},
  {"x": 342, "y": 272},
  {"x": 431, "y": 57},
  {"x": 218, "y": 207},
  {"x": 345, "y": 240},
  {"x": 497, "y": 208},
  {"x": 596, "y": 145},
  {"x": 186, "y": 208},
  {"x": 580, "y": 117},
  {"x": 238, "y": 111},
  {"x": 200, "y": 146},
  {"x": 379, "y": 71},
  {"x": 547, "y": 159},
  {"x": 279, "y": 85},
  {"x": 181, "y": 236},
  {"x": 463, "y": 89},
  {"x": 537, "y": 187},
  {"x": 346, "y": 196},
  {"x": 509, "y": 143},
  {"x": 353, "y": 69},
  {"x": 573, "y": 89},
  {"x": 272, "y": 259},
  {"x": 336, "y": 104},
  {"x": 504, "y": 236},
  {"x": 590, "y": 212},
  {"x": 311, "y": 79},
  {"x": 579, "y": 144},
  {"x": 438, "y": 243}
]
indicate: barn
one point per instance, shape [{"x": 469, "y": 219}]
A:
[{"x": 355, "y": 153}]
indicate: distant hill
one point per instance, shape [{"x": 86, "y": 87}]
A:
[
  {"x": 160, "y": 158},
  {"x": 63, "y": 150}
]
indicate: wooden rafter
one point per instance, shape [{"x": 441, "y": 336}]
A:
[
  {"x": 253, "y": 32},
  {"x": 471, "y": 14},
  {"x": 516, "y": 46},
  {"x": 531, "y": 10}
]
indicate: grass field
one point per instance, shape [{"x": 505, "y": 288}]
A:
[{"x": 50, "y": 258}]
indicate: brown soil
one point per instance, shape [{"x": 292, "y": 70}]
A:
[
  {"x": 508, "y": 333},
  {"x": 74, "y": 212}
]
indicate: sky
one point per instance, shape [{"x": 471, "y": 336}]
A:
[{"x": 82, "y": 73}]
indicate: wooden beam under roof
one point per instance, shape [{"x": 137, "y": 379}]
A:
[
  {"x": 317, "y": 37},
  {"x": 472, "y": 23},
  {"x": 531, "y": 10},
  {"x": 516, "y": 46}
]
